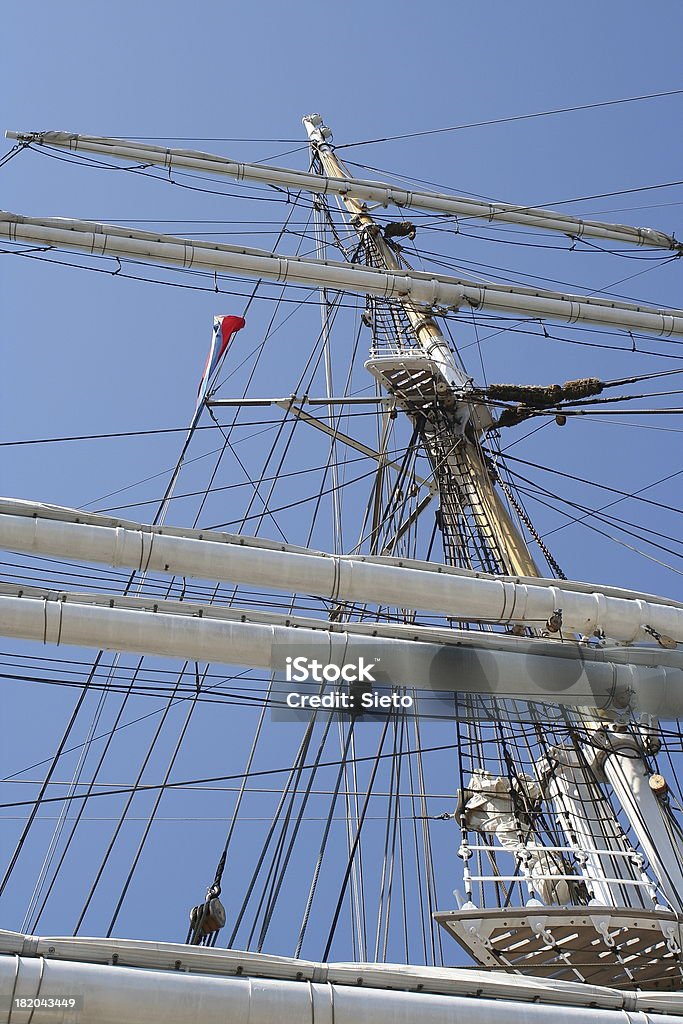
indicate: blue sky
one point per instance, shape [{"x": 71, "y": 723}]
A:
[{"x": 85, "y": 354}]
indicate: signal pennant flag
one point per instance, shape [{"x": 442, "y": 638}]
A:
[{"x": 224, "y": 327}]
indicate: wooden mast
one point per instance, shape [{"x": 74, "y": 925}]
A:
[{"x": 474, "y": 482}]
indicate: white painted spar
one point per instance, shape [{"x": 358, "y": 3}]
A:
[
  {"x": 598, "y": 840},
  {"x": 122, "y": 981},
  {"x": 629, "y": 777},
  {"x": 218, "y": 962},
  {"x": 126, "y": 995},
  {"x": 615, "y": 680},
  {"x": 350, "y": 188},
  {"x": 432, "y": 290},
  {"x": 38, "y": 529}
]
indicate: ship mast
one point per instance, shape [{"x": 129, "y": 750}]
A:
[
  {"x": 432, "y": 388},
  {"x": 450, "y": 429},
  {"x": 578, "y": 883}
]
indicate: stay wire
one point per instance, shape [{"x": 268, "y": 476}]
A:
[
  {"x": 235, "y": 814},
  {"x": 356, "y": 841},
  {"x": 602, "y": 533},
  {"x": 296, "y": 768},
  {"x": 158, "y": 516},
  {"x": 515, "y": 117},
  {"x": 432, "y": 220},
  {"x": 283, "y": 862},
  {"x": 12, "y": 153},
  {"x": 604, "y": 487},
  {"x": 619, "y": 523},
  {"x": 323, "y": 844},
  {"x": 192, "y": 707},
  {"x": 204, "y": 781},
  {"x": 152, "y": 814},
  {"x": 79, "y": 704},
  {"x": 275, "y": 891}
]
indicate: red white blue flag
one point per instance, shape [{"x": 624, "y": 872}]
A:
[{"x": 224, "y": 327}]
